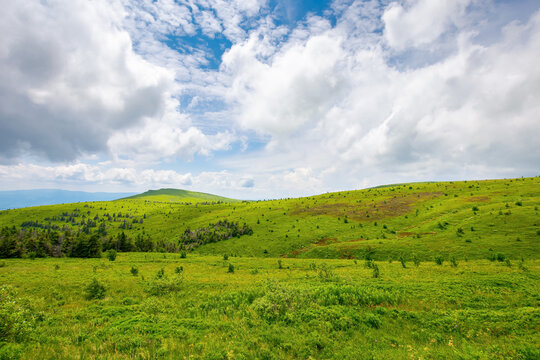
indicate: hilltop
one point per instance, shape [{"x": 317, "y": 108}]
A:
[{"x": 178, "y": 195}]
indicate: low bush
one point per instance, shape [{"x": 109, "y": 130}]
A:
[{"x": 95, "y": 290}]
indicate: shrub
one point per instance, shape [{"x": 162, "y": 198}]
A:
[
  {"x": 231, "y": 268},
  {"x": 416, "y": 260},
  {"x": 475, "y": 208},
  {"x": 373, "y": 320},
  {"x": 111, "y": 254},
  {"x": 179, "y": 270},
  {"x": 134, "y": 271},
  {"x": 95, "y": 290},
  {"x": 16, "y": 317},
  {"x": 280, "y": 264},
  {"x": 325, "y": 273},
  {"x": 508, "y": 263},
  {"x": 492, "y": 257},
  {"x": 376, "y": 272},
  {"x": 439, "y": 260},
  {"x": 162, "y": 284},
  {"x": 225, "y": 257},
  {"x": 453, "y": 262},
  {"x": 500, "y": 257},
  {"x": 183, "y": 254}
]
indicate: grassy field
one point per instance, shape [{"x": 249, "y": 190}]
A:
[
  {"x": 445, "y": 270},
  {"x": 265, "y": 309}
]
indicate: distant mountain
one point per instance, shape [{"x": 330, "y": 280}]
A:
[
  {"x": 25, "y": 198},
  {"x": 177, "y": 195}
]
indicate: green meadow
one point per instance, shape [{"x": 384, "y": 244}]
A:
[{"x": 442, "y": 270}]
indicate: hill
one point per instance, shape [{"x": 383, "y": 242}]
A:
[
  {"x": 178, "y": 195},
  {"x": 24, "y": 198},
  {"x": 467, "y": 219}
]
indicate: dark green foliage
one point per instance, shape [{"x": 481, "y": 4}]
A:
[
  {"x": 376, "y": 272},
  {"x": 95, "y": 290},
  {"x": 500, "y": 257},
  {"x": 231, "y": 268},
  {"x": 162, "y": 284},
  {"x": 111, "y": 254},
  {"x": 403, "y": 261},
  {"x": 179, "y": 269},
  {"x": 280, "y": 265},
  {"x": 453, "y": 262},
  {"x": 134, "y": 271},
  {"x": 183, "y": 254},
  {"x": 222, "y": 230},
  {"x": 416, "y": 260},
  {"x": 225, "y": 257},
  {"x": 439, "y": 260}
]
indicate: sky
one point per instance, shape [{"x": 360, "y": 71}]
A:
[{"x": 257, "y": 99}]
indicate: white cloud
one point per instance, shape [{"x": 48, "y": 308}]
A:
[{"x": 420, "y": 22}]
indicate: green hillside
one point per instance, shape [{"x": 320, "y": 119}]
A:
[
  {"x": 467, "y": 219},
  {"x": 178, "y": 195}
]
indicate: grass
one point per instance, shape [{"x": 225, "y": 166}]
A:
[
  {"x": 318, "y": 308},
  {"x": 425, "y": 270}
]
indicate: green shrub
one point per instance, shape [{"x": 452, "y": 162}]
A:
[
  {"x": 416, "y": 260},
  {"x": 111, "y": 254},
  {"x": 373, "y": 320},
  {"x": 508, "y": 263},
  {"x": 231, "y": 268},
  {"x": 162, "y": 284},
  {"x": 225, "y": 257},
  {"x": 134, "y": 271},
  {"x": 280, "y": 264},
  {"x": 439, "y": 260},
  {"x": 500, "y": 257},
  {"x": 183, "y": 254},
  {"x": 95, "y": 290},
  {"x": 179, "y": 269},
  {"x": 376, "y": 272},
  {"x": 16, "y": 316},
  {"x": 325, "y": 273},
  {"x": 453, "y": 262}
]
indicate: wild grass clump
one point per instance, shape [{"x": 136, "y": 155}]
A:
[
  {"x": 161, "y": 284},
  {"x": 326, "y": 274},
  {"x": 439, "y": 260},
  {"x": 453, "y": 262}
]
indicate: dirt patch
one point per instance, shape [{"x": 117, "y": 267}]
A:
[
  {"x": 478, "y": 199},
  {"x": 368, "y": 211}
]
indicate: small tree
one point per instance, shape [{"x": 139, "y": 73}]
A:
[
  {"x": 231, "y": 268},
  {"x": 439, "y": 260},
  {"x": 111, "y": 254},
  {"x": 95, "y": 290}
]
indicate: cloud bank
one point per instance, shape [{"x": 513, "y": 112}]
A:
[{"x": 225, "y": 97}]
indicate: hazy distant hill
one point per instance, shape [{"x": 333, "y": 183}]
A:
[
  {"x": 24, "y": 198},
  {"x": 177, "y": 195}
]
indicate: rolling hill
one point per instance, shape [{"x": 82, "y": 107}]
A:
[
  {"x": 467, "y": 219},
  {"x": 178, "y": 195}
]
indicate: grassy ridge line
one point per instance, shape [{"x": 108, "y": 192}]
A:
[
  {"x": 178, "y": 195},
  {"x": 467, "y": 219}
]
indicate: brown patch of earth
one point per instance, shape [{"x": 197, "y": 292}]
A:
[{"x": 387, "y": 208}]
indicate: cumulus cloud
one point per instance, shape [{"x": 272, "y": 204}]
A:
[
  {"x": 365, "y": 93},
  {"x": 420, "y": 22}
]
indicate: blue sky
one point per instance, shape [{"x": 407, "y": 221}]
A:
[{"x": 263, "y": 99}]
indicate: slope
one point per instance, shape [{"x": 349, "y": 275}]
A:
[{"x": 466, "y": 220}]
